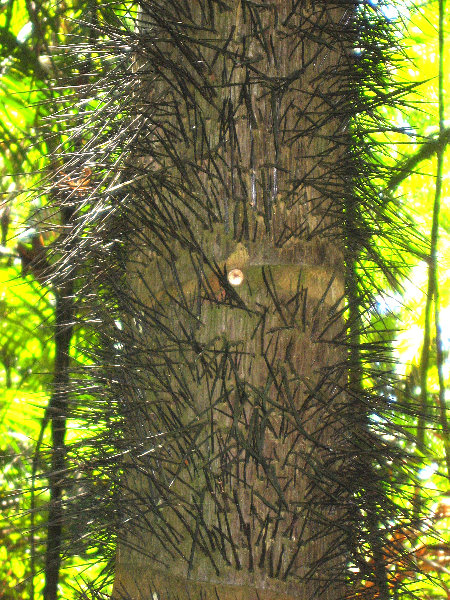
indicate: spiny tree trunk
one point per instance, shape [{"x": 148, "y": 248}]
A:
[{"x": 238, "y": 471}]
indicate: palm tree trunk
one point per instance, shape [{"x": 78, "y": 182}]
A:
[{"x": 237, "y": 476}]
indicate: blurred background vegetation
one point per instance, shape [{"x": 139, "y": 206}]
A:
[{"x": 37, "y": 77}]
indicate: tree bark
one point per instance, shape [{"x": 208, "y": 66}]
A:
[{"x": 237, "y": 475}]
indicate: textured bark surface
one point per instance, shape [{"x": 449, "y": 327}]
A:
[{"x": 239, "y": 484}]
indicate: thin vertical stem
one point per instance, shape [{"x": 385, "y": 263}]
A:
[
  {"x": 435, "y": 239},
  {"x": 58, "y": 412},
  {"x": 433, "y": 286}
]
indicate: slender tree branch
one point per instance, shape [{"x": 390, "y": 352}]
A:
[{"x": 427, "y": 150}]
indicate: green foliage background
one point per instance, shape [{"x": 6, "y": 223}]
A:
[{"x": 38, "y": 77}]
